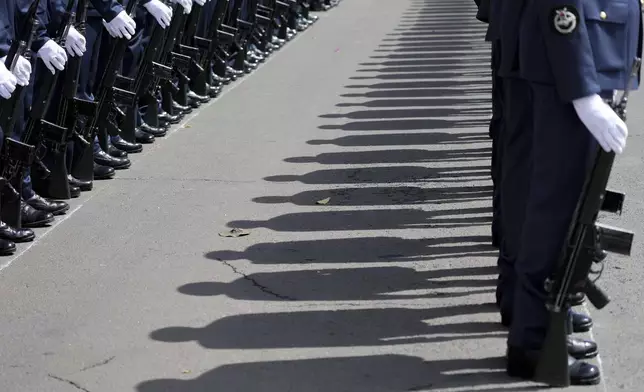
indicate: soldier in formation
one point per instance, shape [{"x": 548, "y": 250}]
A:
[
  {"x": 85, "y": 83},
  {"x": 556, "y": 66}
]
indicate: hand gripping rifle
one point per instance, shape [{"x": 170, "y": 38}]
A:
[
  {"x": 107, "y": 100},
  {"x": 578, "y": 255},
  {"x": 37, "y": 129},
  {"x": 16, "y": 155}
]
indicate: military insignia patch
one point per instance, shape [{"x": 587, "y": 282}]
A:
[{"x": 565, "y": 19}]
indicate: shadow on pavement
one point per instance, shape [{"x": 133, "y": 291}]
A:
[{"x": 420, "y": 105}]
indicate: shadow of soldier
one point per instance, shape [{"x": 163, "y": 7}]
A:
[
  {"x": 337, "y": 328},
  {"x": 376, "y": 373},
  {"x": 360, "y": 250},
  {"x": 350, "y": 284}
]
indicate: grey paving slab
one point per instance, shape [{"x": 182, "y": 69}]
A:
[{"x": 379, "y": 111}]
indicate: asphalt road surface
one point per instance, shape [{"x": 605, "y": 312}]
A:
[{"x": 357, "y": 157}]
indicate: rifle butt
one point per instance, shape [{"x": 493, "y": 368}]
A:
[
  {"x": 83, "y": 168},
  {"x": 552, "y": 368},
  {"x": 11, "y": 212}
]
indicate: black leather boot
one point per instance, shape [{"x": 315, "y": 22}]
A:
[
  {"x": 104, "y": 159},
  {"x": 84, "y": 186},
  {"x": 103, "y": 172},
  {"x": 42, "y": 204},
  {"x": 32, "y": 217}
]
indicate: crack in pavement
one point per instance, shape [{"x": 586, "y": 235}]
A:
[
  {"x": 70, "y": 382},
  {"x": 105, "y": 362},
  {"x": 255, "y": 283}
]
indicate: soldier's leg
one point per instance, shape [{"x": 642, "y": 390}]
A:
[
  {"x": 103, "y": 155},
  {"x": 35, "y": 210},
  {"x": 516, "y": 146},
  {"x": 496, "y": 131},
  {"x": 7, "y": 246},
  {"x": 86, "y": 80},
  {"x": 561, "y": 152}
]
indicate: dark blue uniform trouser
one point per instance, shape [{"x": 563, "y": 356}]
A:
[
  {"x": 561, "y": 152},
  {"x": 513, "y": 188},
  {"x": 496, "y": 132}
]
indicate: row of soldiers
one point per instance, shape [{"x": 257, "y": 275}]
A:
[
  {"x": 84, "y": 84},
  {"x": 556, "y": 67}
]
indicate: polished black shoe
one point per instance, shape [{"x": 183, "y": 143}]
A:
[
  {"x": 577, "y": 299},
  {"x": 16, "y": 235},
  {"x": 154, "y": 131},
  {"x": 103, "y": 172},
  {"x": 193, "y": 103},
  {"x": 7, "y": 248},
  {"x": 233, "y": 71},
  {"x": 116, "y": 152},
  {"x": 219, "y": 79},
  {"x": 581, "y": 322},
  {"x": 170, "y": 118},
  {"x": 522, "y": 364},
  {"x": 84, "y": 186},
  {"x": 180, "y": 108},
  {"x": 213, "y": 91},
  {"x": 124, "y": 145},
  {"x": 197, "y": 97},
  {"x": 142, "y": 137},
  {"x": 32, "y": 217},
  {"x": 42, "y": 204},
  {"x": 105, "y": 159},
  {"x": 581, "y": 348},
  {"x": 74, "y": 192}
]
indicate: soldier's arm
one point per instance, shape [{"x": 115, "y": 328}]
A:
[
  {"x": 6, "y": 32},
  {"x": 42, "y": 14},
  {"x": 107, "y": 8},
  {"x": 568, "y": 47}
]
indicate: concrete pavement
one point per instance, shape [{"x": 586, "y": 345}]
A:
[{"x": 357, "y": 157}]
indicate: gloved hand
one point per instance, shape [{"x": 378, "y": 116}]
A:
[
  {"x": 53, "y": 56},
  {"x": 75, "y": 43},
  {"x": 200, "y": 2},
  {"x": 161, "y": 12},
  {"x": 22, "y": 70},
  {"x": 186, "y": 4},
  {"x": 604, "y": 124},
  {"x": 7, "y": 82},
  {"x": 122, "y": 26}
]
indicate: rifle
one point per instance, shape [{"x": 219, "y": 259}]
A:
[
  {"x": 577, "y": 257},
  {"x": 144, "y": 83},
  {"x": 107, "y": 100},
  {"x": 70, "y": 110},
  {"x": 209, "y": 45},
  {"x": 16, "y": 155}
]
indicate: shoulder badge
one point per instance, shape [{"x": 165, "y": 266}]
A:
[{"x": 565, "y": 19}]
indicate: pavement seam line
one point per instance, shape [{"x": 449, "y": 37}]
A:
[
  {"x": 256, "y": 283},
  {"x": 70, "y": 382}
]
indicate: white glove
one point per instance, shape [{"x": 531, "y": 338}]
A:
[
  {"x": 604, "y": 124},
  {"x": 186, "y": 4},
  {"x": 7, "y": 81},
  {"x": 122, "y": 26},
  {"x": 22, "y": 70},
  {"x": 75, "y": 43},
  {"x": 200, "y": 2},
  {"x": 161, "y": 12},
  {"x": 53, "y": 56}
]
